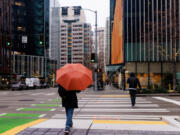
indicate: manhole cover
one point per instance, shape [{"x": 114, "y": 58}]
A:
[
  {"x": 3, "y": 106},
  {"x": 26, "y": 100}
]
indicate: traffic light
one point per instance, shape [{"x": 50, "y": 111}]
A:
[
  {"x": 8, "y": 41},
  {"x": 41, "y": 39},
  {"x": 92, "y": 57}
]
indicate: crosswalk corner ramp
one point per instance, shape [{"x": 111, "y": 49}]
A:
[{"x": 172, "y": 120}]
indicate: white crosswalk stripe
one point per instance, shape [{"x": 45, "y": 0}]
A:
[
  {"x": 113, "y": 108},
  {"x": 41, "y": 93}
]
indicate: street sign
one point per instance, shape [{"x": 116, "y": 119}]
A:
[{"x": 24, "y": 39}]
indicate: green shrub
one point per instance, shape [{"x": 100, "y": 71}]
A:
[
  {"x": 160, "y": 90},
  {"x": 146, "y": 91},
  {"x": 178, "y": 89}
]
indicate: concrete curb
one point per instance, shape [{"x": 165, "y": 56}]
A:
[
  {"x": 152, "y": 95},
  {"x": 172, "y": 121}
]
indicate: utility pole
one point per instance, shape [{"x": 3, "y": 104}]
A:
[
  {"x": 96, "y": 81},
  {"x": 45, "y": 59}
]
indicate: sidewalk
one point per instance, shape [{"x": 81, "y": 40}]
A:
[{"x": 90, "y": 127}]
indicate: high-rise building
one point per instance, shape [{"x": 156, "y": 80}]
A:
[
  {"x": 107, "y": 42},
  {"x": 5, "y": 42},
  {"x": 30, "y": 26},
  {"x": 30, "y": 37},
  {"x": 145, "y": 39},
  {"x": 75, "y": 36},
  {"x": 55, "y": 35},
  {"x": 101, "y": 47}
]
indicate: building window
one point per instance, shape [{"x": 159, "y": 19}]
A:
[
  {"x": 64, "y": 11},
  {"x": 77, "y": 10}
]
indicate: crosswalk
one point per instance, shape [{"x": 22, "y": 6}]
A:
[{"x": 117, "y": 107}]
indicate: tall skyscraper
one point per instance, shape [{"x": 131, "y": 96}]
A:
[{"x": 75, "y": 36}]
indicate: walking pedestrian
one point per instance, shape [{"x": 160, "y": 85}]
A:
[
  {"x": 69, "y": 102},
  {"x": 133, "y": 83}
]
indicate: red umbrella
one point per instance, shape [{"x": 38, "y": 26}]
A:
[{"x": 74, "y": 77}]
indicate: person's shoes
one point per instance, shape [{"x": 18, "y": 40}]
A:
[{"x": 66, "y": 132}]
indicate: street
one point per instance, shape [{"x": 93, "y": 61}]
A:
[{"x": 98, "y": 111}]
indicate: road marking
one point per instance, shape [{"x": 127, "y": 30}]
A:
[
  {"x": 114, "y": 96},
  {"x": 42, "y": 115},
  {"x": 168, "y": 100},
  {"x": 122, "y": 110},
  {"x": 120, "y": 105},
  {"x": 19, "y": 109},
  {"x": 139, "y": 98},
  {"x": 34, "y": 109},
  {"x": 109, "y": 117},
  {"x": 3, "y": 114},
  {"x": 114, "y": 102},
  {"x": 35, "y": 94},
  {"x": 129, "y": 122},
  {"x": 119, "y": 100},
  {"x": 49, "y": 94},
  {"x": 22, "y": 127},
  {"x": 53, "y": 109}
]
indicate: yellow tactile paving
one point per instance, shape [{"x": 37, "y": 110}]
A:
[
  {"x": 22, "y": 127},
  {"x": 115, "y": 96},
  {"x": 129, "y": 122}
]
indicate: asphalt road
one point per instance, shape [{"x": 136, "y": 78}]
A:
[
  {"x": 110, "y": 104},
  {"x": 13, "y": 101}
]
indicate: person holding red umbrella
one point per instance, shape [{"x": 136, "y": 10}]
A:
[
  {"x": 69, "y": 102},
  {"x": 72, "y": 77}
]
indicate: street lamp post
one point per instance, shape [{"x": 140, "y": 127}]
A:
[{"x": 96, "y": 53}]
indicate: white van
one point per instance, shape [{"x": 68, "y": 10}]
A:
[
  {"x": 29, "y": 83},
  {"x": 36, "y": 82}
]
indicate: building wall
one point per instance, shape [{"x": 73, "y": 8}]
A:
[
  {"x": 151, "y": 37},
  {"x": 151, "y": 30},
  {"x": 5, "y": 36},
  {"x": 101, "y": 47},
  {"x": 31, "y": 19}
]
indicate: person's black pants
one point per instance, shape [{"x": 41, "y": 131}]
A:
[{"x": 133, "y": 96}]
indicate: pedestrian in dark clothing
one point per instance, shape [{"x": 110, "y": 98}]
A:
[
  {"x": 69, "y": 102},
  {"x": 133, "y": 83}
]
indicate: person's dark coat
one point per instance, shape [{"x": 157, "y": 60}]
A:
[
  {"x": 133, "y": 81},
  {"x": 69, "y": 98}
]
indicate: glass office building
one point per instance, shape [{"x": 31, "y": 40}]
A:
[
  {"x": 151, "y": 37},
  {"x": 5, "y": 42}
]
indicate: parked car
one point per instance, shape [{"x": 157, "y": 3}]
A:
[{"x": 20, "y": 85}]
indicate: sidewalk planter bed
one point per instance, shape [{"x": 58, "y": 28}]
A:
[
  {"x": 156, "y": 89},
  {"x": 178, "y": 89}
]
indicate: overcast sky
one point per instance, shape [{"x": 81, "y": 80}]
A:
[{"x": 102, "y": 7}]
